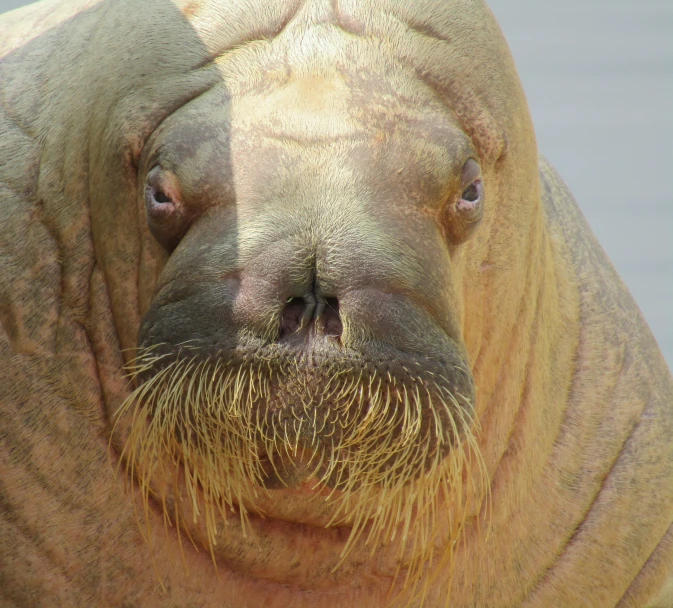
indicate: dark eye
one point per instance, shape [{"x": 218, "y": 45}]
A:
[
  {"x": 470, "y": 193},
  {"x": 167, "y": 217},
  {"x": 471, "y": 196},
  {"x": 465, "y": 210},
  {"x": 161, "y": 197}
]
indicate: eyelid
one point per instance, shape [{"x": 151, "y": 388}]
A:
[{"x": 471, "y": 172}]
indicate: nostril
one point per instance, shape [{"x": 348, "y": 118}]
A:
[
  {"x": 332, "y": 318},
  {"x": 293, "y": 314},
  {"x": 304, "y": 312}
]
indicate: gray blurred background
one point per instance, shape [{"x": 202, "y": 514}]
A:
[{"x": 599, "y": 79}]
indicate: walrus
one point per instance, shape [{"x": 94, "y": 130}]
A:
[{"x": 294, "y": 314}]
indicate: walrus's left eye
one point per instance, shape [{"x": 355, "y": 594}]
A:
[
  {"x": 464, "y": 212},
  {"x": 471, "y": 195}
]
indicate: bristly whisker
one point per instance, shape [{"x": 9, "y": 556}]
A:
[{"x": 393, "y": 452}]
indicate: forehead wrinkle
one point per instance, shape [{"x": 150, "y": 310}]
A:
[
  {"x": 431, "y": 132},
  {"x": 367, "y": 89},
  {"x": 366, "y": 40}
]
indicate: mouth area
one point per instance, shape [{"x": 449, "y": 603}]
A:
[{"x": 307, "y": 470}]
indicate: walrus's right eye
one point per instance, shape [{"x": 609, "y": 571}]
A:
[{"x": 166, "y": 215}]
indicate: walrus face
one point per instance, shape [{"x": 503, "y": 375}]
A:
[{"x": 304, "y": 339}]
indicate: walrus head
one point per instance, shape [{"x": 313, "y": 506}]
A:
[{"x": 302, "y": 371}]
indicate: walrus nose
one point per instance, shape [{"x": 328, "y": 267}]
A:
[{"x": 311, "y": 311}]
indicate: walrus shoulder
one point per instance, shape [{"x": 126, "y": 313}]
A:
[
  {"x": 623, "y": 379},
  {"x": 596, "y": 274}
]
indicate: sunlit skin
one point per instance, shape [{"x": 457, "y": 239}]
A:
[{"x": 293, "y": 314}]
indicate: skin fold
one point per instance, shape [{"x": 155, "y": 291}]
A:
[{"x": 312, "y": 194}]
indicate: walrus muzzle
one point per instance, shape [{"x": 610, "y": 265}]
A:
[
  {"x": 295, "y": 338},
  {"x": 386, "y": 436}
]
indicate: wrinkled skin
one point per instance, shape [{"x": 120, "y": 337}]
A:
[{"x": 309, "y": 149}]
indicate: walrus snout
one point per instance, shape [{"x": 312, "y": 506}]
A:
[{"x": 323, "y": 333}]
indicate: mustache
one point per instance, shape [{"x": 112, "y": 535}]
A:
[{"x": 396, "y": 453}]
